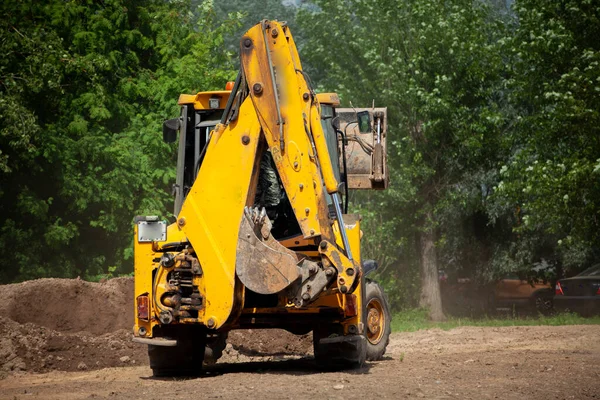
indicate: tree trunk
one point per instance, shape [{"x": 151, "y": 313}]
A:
[{"x": 431, "y": 297}]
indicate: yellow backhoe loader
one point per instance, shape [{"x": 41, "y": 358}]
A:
[{"x": 260, "y": 238}]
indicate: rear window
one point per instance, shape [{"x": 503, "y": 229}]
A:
[{"x": 592, "y": 271}]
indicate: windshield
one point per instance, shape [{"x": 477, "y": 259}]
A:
[
  {"x": 331, "y": 138},
  {"x": 592, "y": 271},
  {"x": 194, "y": 132}
]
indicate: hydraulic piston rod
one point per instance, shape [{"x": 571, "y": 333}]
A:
[{"x": 338, "y": 214}]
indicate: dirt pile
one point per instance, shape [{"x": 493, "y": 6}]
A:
[
  {"x": 70, "y": 305},
  {"x": 71, "y": 324},
  {"x": 30, "y": 347},
  {"x": 270, "y": 342}
]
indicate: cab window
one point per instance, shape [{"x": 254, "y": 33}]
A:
[{"x": 331, "y": 138}]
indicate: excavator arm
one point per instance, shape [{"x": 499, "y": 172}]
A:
[
  {"x": 260, "y": 240},
  {"x": 272, "y": 108}
]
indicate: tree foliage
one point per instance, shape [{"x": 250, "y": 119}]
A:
[
  {"x": 494, "y": 145},
  {"x": 437, "y": 67},
  {"x": 84, "y": 88},
  {"x": 249, "y": 13},
  {"x": 550, "y": 177}
]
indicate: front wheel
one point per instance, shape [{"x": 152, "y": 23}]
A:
[{"x": 378, "y": 321}]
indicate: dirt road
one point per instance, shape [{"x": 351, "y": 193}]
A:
[
  {"x": 71, "y": 339},
  {"x": 476, "y": 363}
]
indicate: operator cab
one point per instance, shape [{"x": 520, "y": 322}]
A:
[
  {"x": 200, "y": 114},
  {"x": 328, "y": 102},
  {"x": 356, "y": 141}
]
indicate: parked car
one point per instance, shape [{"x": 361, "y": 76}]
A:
[
  {"x": 580, "y": 293},
  {"x": 512, "y": 292},
  {"x": 463, "y": 296}
]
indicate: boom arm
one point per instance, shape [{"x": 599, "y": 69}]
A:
[
  {"x": 285, "y": 105},
  {"x": 282, "y": 113},
  {"x": 289, "y": 115}
]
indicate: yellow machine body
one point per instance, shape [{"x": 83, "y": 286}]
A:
[{"x": 202, "y": 269}]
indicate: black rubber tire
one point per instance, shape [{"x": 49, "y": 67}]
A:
[
  {"x": 185, "y": 359},
  {"x": 375, "y": 298},
  {"x": 542, "y": 302},
  {"x": 337, "y": 356},
  {"x": 214, "y": 348}
]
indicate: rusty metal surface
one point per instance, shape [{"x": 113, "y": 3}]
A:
[
  {"x": 262, "y": 264},
  {"x": 314, "y": 280},
  {"x": 375, "y": 321},
  {"x": 366, "y": 160},
  {"x": 348, "y": 272}
]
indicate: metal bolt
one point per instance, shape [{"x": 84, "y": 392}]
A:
[
  {"x": 165, "y": 317},
  {"x": 257, "y": 88},
  {"x": 312, "y": 231},
  {"x": 247, "y": 42},
  {"x": 301, "y": 186},
  {"x": 343, "y": 289},
  {"x": 181, "y": 221},
  {"x": 329, "y": 271},
  {"x": 211, "y": 323},
  {"x": 352, "y": 329},
  {"x": 305, "y": 96},
  {"x": 245, "y": 140},
  {"x": 274, "y": 32},
  {"x": 142, "y": 331},
  {"x": 312, "y": 268},
  {"x": 350, "y": 271},
  {"x": 323, "y": 245},
  {"x": 305, "y": 296},
  {"x": 295, "y": 164},
  {"x": 307, "y": 210}
]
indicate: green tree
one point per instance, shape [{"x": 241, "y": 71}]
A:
[
  {"x": 550, "y": 181},
  {"x": 84, "y": 88},
  {"x": 250, "y": 13},
  {"x": 437, "y": 67}
]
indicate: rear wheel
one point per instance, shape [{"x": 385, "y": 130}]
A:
[
  {"x": 334, "y": 351},
  {"x": 215, "y": 344},
  {"x": 378, "y": 321},
  {"x": 184, "y": 359},
  {"x": 543, "y": 303}
]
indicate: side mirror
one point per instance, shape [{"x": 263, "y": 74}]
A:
[
  {"x": 364, "y": 121},
  {"x": 170, "y": 128}
]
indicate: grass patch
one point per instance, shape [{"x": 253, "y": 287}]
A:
[{"x": 417, "y": 319}]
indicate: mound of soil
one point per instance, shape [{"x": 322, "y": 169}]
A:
[
  {"x": 256, "y": 342},
  {"x": 70, "y": 305},
  {"x": 30, "y": 347},
  {"x": 71, "y": 324}
]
